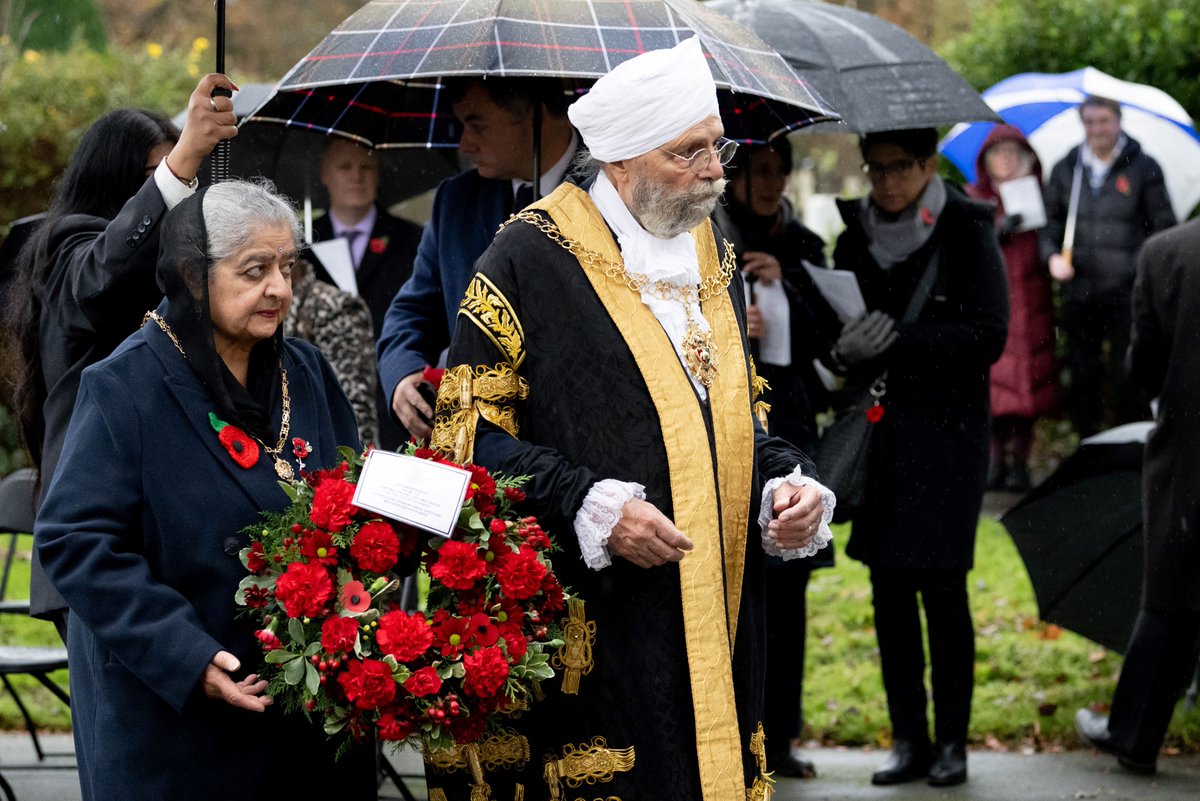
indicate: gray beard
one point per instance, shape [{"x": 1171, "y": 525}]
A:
[{"x": 667, "y": 212}]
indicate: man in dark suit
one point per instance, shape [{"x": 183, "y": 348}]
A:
[
  {"x": 1164, "y": 360},
  {"x": 497, "y": 117},
  {"x": 382, "y": 247}
]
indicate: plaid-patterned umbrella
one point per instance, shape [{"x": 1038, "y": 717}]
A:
[{"x": 375, "y": 78}]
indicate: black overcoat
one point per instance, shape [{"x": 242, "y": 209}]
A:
[
  {"x": 929, "y": 457},
  {"x": 1164, "y": 359}
]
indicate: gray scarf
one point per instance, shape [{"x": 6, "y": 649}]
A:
[{"x": 892, "y": 241}]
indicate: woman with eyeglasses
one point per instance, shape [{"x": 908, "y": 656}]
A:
[{"x": 915, "y": 236}]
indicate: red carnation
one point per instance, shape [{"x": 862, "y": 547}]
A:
[
  {"x": 394, "y": 728},
  {"x": 318, "y": 547},
  {"x": 331, "y": 504},
  {"x": 486, "y": 672},
  {"x": 338, "y": 634},
  {"x": 256, "y": 562},
  {"x": 458, "y": 565},
  {"x": 404, "y": 636},
  {"x": 268, "y": 640},
  {"x": 423, "y": 682},
  {"x": 481, "y": 482},
  {"x": 520, "y": 574},
  {"x": 304, "y": 589},
  {"x": 553, "y": 599},
  {"x": 368, "y": 684},
  {"x": 514, "y": 495},
  {"x": 376, "y": 547}
]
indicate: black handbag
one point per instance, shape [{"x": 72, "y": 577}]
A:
[{"x": 844, "y": 450}]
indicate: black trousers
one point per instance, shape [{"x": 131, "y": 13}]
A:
[
  {"x": 1096, "y": 374},
  {"x": 1159, "y": 663},
  {"x": 943, "y": 594},
  {"x": 783, "y": 715}
]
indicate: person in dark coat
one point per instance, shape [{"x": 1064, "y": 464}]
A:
[
  {"x": 1164, "y": 360},
  {"x": 928, "y": 459},
  {"x": 87, "y": 276},
  {"x": 497, "y": 118},
  {"x": 785, "y": 316},
  {"x": 1122, "y": 200},
  {"x": 1025, "y": 379},
  {"x": 382, "y": 247},
  {"x": 143, "y": 523}
]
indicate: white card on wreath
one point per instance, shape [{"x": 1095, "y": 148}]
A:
[{"x": 420, "y": 492}]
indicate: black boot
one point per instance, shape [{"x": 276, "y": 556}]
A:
[
  {"x": 949, "y": 764},
  {"x": 1093, "y": 730},
  {"x": 908, "y": 761},
  {"x": 791, "y": 763}
]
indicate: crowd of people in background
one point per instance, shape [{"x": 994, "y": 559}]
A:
[{"x": 960, "y": 323}]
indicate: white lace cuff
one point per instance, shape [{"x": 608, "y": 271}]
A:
[
  {"x": 598, "y": 516},
  {"x": 766, "y": 513}
]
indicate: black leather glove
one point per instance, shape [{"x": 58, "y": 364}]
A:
[
  {"x": 865, "y": 338},
  {"x": 1010, "y": 224}
]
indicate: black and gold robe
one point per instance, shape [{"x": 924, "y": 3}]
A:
[{"x": 560, "y": 372}]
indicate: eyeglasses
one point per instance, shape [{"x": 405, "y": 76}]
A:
[
  {"x": 699, "y": 161},
  {"x": 875, "y": 171}
]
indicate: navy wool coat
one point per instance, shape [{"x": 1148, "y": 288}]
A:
[{"x": 140, "y": 532}]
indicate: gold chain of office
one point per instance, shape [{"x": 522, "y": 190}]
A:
[{"x": 664, "y": 290}]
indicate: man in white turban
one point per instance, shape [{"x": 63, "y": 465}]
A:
[{"x": 606, "y": 357}]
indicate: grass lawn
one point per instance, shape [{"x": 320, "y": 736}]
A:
[{"x": 1030, "y": 677}]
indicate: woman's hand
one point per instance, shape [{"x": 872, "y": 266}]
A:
[
  {"x": 245, "y": 694},
  {"x": 762, "y": 266},
  {"x": 209, "y": 120}
]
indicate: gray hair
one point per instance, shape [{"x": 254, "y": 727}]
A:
[
  {"x": 234, "y": 210},
  {"x": 584, "y": 165}
]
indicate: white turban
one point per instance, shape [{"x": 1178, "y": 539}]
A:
[{"x": 646, "y": 102}]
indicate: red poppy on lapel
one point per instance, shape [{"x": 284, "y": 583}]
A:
[
  {"x": 927, "y": 216},
  {"x": 1122, "y": 184},
  {"x": 241, "y": 447},
  {"x": 378, "y": 244},
  {"x": 875, "y": 413}
]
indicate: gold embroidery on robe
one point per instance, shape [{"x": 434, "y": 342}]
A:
[
  {"x": 574, "y": 657},
  {"x": 467, "y": 394},
  {"x": 763, "y": 787},
  {"x": 759, "y": 385},
  {"x": 504, "y": 750},
  {"x": 588, "y": 764},
  {"x": 486, "y": 306},
  {"x": 437, "y": 794}
]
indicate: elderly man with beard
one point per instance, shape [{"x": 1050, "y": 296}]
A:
[{"x": 601, "y": 349}]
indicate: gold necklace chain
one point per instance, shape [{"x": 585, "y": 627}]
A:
[
  {"x": 285, "y": 423},
  {"x": 638, "y": 282}
]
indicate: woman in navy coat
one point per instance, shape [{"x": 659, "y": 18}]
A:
[{"x": 141, "y": 527}]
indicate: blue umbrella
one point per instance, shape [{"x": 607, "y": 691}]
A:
[{"x": 1044, "y": 107}]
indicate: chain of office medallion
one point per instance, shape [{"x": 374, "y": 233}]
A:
[{"x": 615, "y": 271}]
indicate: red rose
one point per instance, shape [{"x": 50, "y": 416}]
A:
[
  {"x": 338, "y": 634},
  {"x": 404, "y": 636},
  {"x": 377, "y": 244},
  {"x": 451, "y": 635},
  {"x": 376, "y": 547},
  {"x": 243, "y": 449},
  {"x": 318, "y": 547},
  {"x": 486, "y": 672},
  {"x": 331, "y": 504},
  {"x": 393, "y": 728},
  {"x": 520, "y": 574},
  {"x": 497, "y": 526},
  {"x": 256, "y": 562},
  {"x": 368, "y": 684},
  {"x": 304, "y": 589},
  {"x": 458, "y": 565},
  {"x": 433, "y": 375},
  {"x": 423, "y": 682}
]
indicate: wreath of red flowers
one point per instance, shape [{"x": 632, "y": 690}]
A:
[{"x": 323, "y": 590}]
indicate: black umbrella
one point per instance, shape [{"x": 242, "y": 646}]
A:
[
  {"x": 877, "y": 75},
  {"x": 1079, "y": 534},
  {"x": 377, "y": 77}
]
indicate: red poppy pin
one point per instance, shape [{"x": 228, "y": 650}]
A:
[
  {"x": 1122, "y": 184},
  {"x": 875, "y": 413},
  {"x": 927, "y": 216},
  {"x": 241, "y": 447},
  {"x": 378, "y": 244}
]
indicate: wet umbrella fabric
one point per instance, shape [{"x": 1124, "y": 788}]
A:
[
  {"x": 377, "y": 76},
  {"x": 877, "y": 75},
  {"x": 1045, "y": 107},
  {"x": 1079, "y": 534}
]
